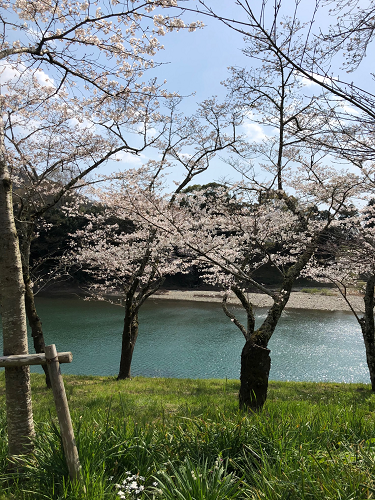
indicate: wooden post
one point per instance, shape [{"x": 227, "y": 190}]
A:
[
  {"x": 53, "y": 360},
  {"x": 62, "y": 409}
]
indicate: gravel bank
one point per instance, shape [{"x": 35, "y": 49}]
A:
[{"x": 298, "y": 300}]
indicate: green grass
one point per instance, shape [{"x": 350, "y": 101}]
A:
[
  {"x": 319, "y": 291},
  {"x": 186, "y": 439}
]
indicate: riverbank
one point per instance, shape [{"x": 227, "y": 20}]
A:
[
  {"x": 298, "y": 300},
  {"x": 325, "y": 299}
]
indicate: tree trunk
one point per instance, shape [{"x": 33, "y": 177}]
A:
[
  {"x": 12, "y": 300},
  {"x": 36, "y": 326},
  {"x": 255, "y": 370},
  {"x": 129, "y": 337},
  {"x": 135, "y": 297},
  {"x": 255, "y": 357},
  {"x": 368, "y": 329},
  {"x": 25, "y": 232}
]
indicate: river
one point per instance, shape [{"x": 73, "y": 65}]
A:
[{"x": 196, "y": 340}]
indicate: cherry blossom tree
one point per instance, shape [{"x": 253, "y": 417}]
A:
[
  {"x": 232, "y": 236},
  {"x": 286, "y": 183},
  {"x": 135, "y": 261},
  {"x": 127, "y": 258},
  {"x": 272, "y": 95},
  {"x": 345, "y": 106},
  {"x": 48, "y": 155},
  {"x": 83, "y": 50},
  {"x": 347, "y": 260},
  {"x": 52, "y": 153}
]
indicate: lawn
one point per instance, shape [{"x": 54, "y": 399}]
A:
[{"x": 186, "y": 439}]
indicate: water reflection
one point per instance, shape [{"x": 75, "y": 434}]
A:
[{"x": 196, "y": 340}]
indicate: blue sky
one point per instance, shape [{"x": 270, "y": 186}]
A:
[{"x": 198, "y": 61}]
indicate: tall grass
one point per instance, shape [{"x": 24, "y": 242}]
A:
[{"x": 185, "y": 439}]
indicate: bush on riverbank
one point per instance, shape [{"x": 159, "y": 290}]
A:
[{"x": 152, "y": 436}]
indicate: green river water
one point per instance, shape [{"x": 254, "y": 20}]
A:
[{"x": 196, "y": 340}]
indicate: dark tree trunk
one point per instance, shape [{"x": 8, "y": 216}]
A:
[
  {"x": 255, "y": 357},
  {"x": 368, "y": 329},
  {"x": 135, "y": 297},
  {"x": 36, "y": 326},
  {"x": 129, "y": 337},
  {"x": 255, "y": 370},
  {"x": 25, "y": 232}
]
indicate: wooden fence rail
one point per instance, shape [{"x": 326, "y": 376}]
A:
[{"x": 33, "y": 359}]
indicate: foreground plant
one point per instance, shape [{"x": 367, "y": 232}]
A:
[{"x": 200, "y": 481}]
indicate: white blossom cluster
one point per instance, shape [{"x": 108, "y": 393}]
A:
[
  {"x": 230, "y": 235},
  {"x": 131, "y": 487},
  {"x": 118, "y": 258}
]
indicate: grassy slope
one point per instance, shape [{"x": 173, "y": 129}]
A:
[{"x": 312, "y": 440}]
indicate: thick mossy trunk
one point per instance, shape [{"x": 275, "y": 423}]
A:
[
  {"x": 12, "y": 303},
  {"x": 255, "y": 370},
  {"x": 256, "y": 359},
  {"x": 368, "y": 329},
  {"x": 129, "y": 338}
]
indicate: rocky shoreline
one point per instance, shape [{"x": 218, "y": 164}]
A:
[{"x": 298, "y": 300}]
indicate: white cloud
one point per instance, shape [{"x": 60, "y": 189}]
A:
[
  {"x": 7, "y": 73},
  {"x": 82, "y": 124},
  {"x": 186, "y": 156},
  {"x": 130, "y": 159},
  {"x": 43, "y": 79},
  {"x": 10, "y": 73},
  {"x": 151, "y": 132},
  {"x": 350, "y": 110},
  {"x": 254, "y": 131},
  {"x": 309, "y": 83}
]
